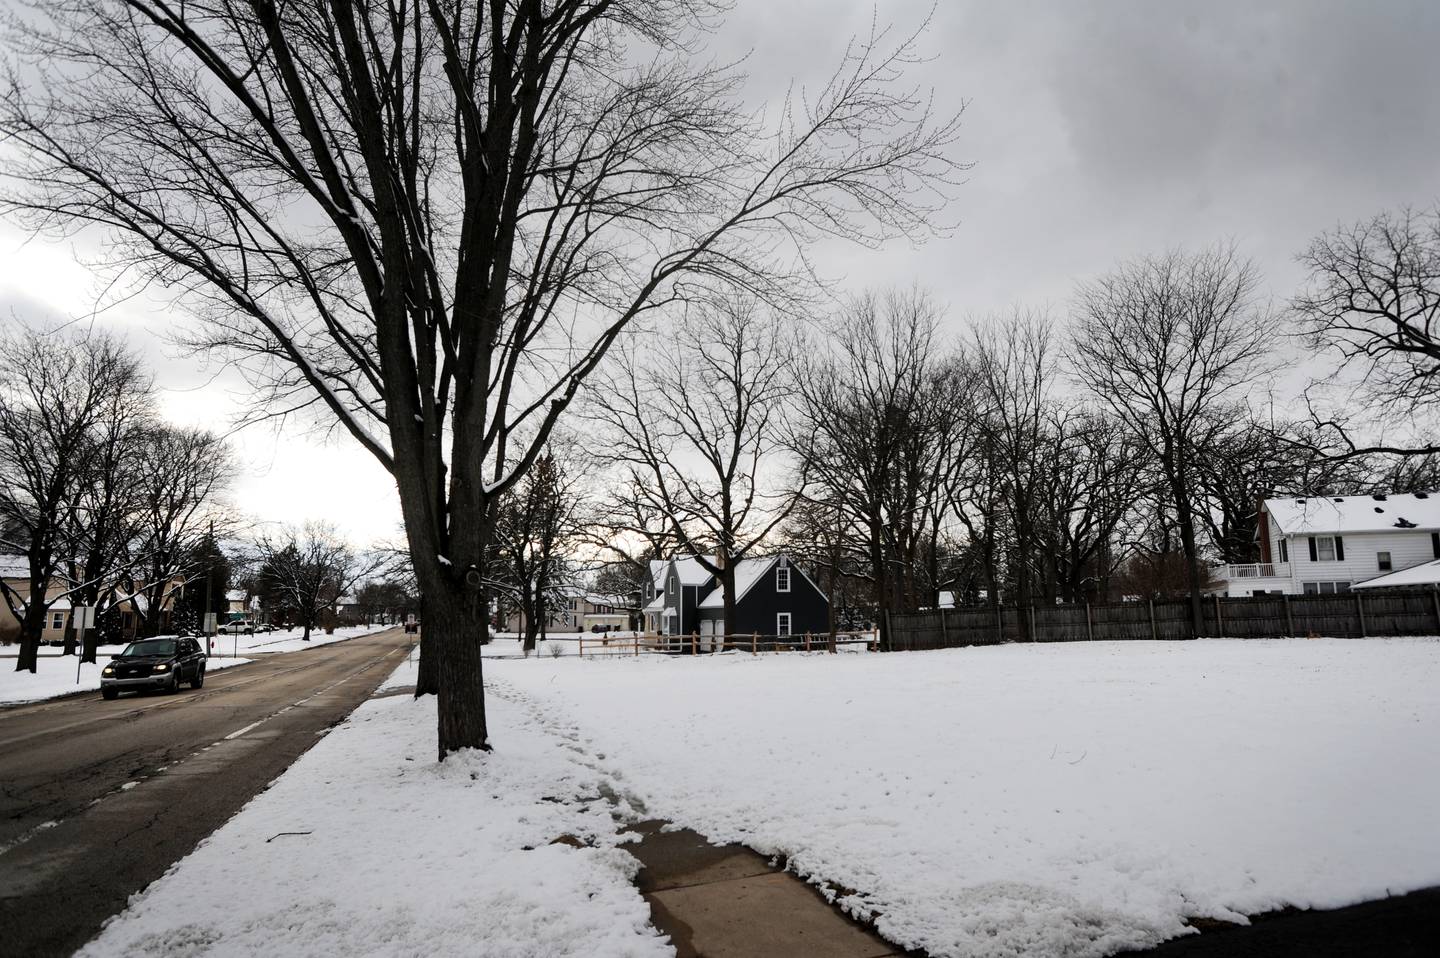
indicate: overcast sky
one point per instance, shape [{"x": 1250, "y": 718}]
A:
[{"x": 1099, "y": 131}]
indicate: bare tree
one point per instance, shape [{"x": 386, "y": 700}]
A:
[
  {"x": 430, "y": 221},
  {"x": 537, "y": 523},
  {"x": 701, "y": 422},
  {"x": 55, "y": 390},
  {"x": 309, "y": 569},
  {"x": 869, "y": 433},
  {"x": 179, "y": 501},
  {"x": 1164, "y": 342},
  {"x": 1374, "y": 298},
  {"x": 104, "y": 525},
  {"x": 1015, "y": 369}
]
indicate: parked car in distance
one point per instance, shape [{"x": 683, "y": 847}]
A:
[
  {"x": 236, "y": 628},
  {"x": 160, "y": 664}
]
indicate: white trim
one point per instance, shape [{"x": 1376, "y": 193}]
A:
[
  {"x": 789, "y": 624},
  {"x": 779, "y": 569}
]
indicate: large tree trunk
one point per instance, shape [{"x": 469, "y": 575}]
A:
[
  {"x": 727, "y": 582},
  {"x": 427, "y": 681},
  {"x": 456, "y": 639},
  {"x": 31, "y": 626}
]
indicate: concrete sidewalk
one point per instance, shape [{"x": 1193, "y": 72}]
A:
[{"x": 725, "y": 901}]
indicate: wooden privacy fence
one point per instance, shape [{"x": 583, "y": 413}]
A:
[
  {"x": 754, "y": 643},
  {"x": 1346, "y": 615}
]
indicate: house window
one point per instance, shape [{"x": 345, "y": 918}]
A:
[
  {"x": 1312, "y": 588},
  {"x": 1342, "y": 587},
  {"x": 782, "y": 581},
  {"x": 1284, "y": 551},
  {"x": 57, "y": 620},
  {"x": 1382, "y": 559},
  {"x": 1325, "y": 588},
  {"x": 1325, "y": 549},
  {"x": 782, "y": 623},
  {"x": 670, "y": 587}
]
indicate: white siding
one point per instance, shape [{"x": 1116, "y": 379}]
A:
[{"x": 1406, "y": 548}]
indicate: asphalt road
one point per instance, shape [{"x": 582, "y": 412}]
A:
[{"x": 98, "y": 799}]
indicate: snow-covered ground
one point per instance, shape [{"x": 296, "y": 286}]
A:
[
  {"x": 287, "y": 640},
  {"x": 368, "y": 846},
  {"x": 1049, "y": 799},
  {"x": 55, "y": 676}
]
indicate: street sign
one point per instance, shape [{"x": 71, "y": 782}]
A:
[
  {"x": 410, "y": 619},
  {"x": 84, "y": 618},
  {"x": 209, "y": 623}
]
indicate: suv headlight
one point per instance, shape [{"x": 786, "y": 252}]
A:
[
  {"x": 162, "y": 667},
  {"x": 108, "y": 670}
]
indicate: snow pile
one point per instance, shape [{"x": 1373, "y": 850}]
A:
[
  {"x": 289, "y": 640},
  {"x": 1059, "y": 799},
  {"x": 368, "y": 846},
  {"x": 55, "y": 675}
]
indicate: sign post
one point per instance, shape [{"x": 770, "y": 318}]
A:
[{"x": 84, "y": 617}]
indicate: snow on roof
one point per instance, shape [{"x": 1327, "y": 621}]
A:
[
  {"x": 1308, "y": 515},
  {"x": 691, "y": 572},
  {"x": 235, "y": 595},
  {"x": 655, "y": 605},
  {"x": 946, "y": 600},
  {"x": 747, "y": 571},
  {"x": 1426, "y": 573},
  {"x": 14, "y": 567}
]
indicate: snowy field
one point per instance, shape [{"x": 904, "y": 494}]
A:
[
  {"x": 1050, "y": 799},
  {"x": 368, "y": 846},
  {"x": 55, "y": 676}
]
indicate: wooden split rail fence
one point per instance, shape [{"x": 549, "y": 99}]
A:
[
  {"x": 754, "y": 643},
  {"x": 1345, "y": 615}
]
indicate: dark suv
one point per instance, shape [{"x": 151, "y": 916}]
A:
[{"x": 154, "y": 664}]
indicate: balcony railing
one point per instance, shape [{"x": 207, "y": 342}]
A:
[{"x": 1254, "y": 570}]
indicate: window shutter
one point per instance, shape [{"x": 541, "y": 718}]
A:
[
  {"x": 1339, "y": 549},
  {"x": 1312, "y": 550},
  {"x": 1284, "y": 553},
  {"x": 1435, "y": 544}
]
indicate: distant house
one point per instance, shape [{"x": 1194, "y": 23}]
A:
[
  {"x": 576, "y": 609},
  {"x": 1326, "y": 544},
  {"x": 773, "y": 596},
  {"x": 15, "y": 570}
]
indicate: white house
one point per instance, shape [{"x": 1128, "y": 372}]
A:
[{"x": 1326, "y": 544}]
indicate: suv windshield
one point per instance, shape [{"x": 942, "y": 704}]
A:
[{"x": 151, "y": 647}]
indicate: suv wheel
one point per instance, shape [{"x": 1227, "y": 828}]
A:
[
  {"x": 199, "y": 680},
  {"x": 109, "y": 694}
]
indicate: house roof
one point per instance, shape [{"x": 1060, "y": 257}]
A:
[
  {"x": 235, "y": 595},
  {"x": 656, "y": 604},
  {"x": 1308, "y": 515},
  {"x": 691, "y": 572},
  {"x": 747, "y": 573},
  {"x": 14, "y": 567},
  {"x": 1426, "y": 573}
]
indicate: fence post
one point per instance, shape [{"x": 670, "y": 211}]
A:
[
  {"x": 1435, "y": 598},
  {"x": 807, "y": 641},
  {"x": 582, "y": 646},
  {"x": 1154, "y": 634},
  {"x": 754, "y": 641},
  {"x": 1289, "y": 620},
  {"x": 999, "y": 623},
  {"x": 1360, "y": 608},
  {"x": 944, "y": 633},
  {"x": 1089, "y": 625},
  {"x": 1032, "y": 622},
  {"x": 694, "y": 643},
  {"x": 1219, "y": 618}
]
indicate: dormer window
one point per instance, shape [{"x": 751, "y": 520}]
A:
[
  {"x": 782, "y": 579},
  {"x": 671, "y": 587}
]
